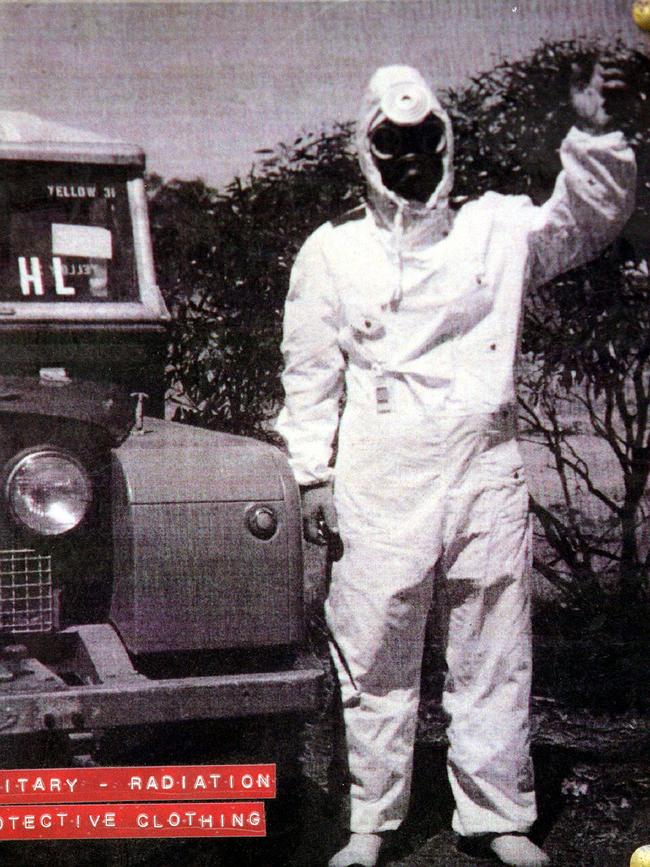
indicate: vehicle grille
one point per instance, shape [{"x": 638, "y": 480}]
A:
[{"x": 26, "y": 597}]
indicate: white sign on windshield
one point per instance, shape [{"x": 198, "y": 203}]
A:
[{"x": 88, "y": 242}]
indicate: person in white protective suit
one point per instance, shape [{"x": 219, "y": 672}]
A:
[{"x": 415, "y": 310}]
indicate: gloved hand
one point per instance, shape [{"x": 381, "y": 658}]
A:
[
  {"x": 318, "y": 513},
  {"x": 593, "y": 95}
]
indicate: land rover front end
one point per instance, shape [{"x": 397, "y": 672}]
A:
[{"x": 150, "y": 572}]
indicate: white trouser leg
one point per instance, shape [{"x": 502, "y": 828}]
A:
[
  {"x": 376, "y": 612},
  {"x": 489, "y": 659},
  {"x": 487, "y": 695},
  {"x": 489, "y": 653},
  {"x": 387, "y": 490}
]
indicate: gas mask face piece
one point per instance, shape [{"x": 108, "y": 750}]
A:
[{"x": 409, "y": 157}]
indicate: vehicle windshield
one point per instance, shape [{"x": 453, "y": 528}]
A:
[{"x": 65, "y": 234}]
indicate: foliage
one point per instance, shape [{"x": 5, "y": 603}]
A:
[{"x": 224, "y": 261}]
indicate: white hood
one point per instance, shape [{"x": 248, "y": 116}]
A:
[{"x": 387, "y": 81}]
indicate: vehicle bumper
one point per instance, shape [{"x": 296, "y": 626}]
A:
[{"x": 126, "y": 698}]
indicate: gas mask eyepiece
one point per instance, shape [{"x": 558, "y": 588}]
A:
[
  {"x": 409, "y": 156},
  {"x": 390, "y": 141}
]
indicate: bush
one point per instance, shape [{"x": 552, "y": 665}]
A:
[{"x": 224, "y": 260}]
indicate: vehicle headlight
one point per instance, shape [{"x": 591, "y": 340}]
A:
[{"x": 49, "y": 492}]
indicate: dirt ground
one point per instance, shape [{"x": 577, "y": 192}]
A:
[{"x": 593, "y": 786}]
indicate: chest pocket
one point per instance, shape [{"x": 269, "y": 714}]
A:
[{"x": 451, "y": 303}]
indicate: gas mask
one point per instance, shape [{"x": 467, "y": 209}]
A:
[{"x": 409, "y": 157}]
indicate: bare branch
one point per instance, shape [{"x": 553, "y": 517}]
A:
[
  {"x": 626, "y": 416},
  {"x": 564, "y": 585},
  {"x": 642, "y": 405},
  {"x": 578, "y": 466}
]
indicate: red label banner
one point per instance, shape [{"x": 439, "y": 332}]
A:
[
  {"x": 102, "y": 821},
  {"x": 159, "y": 783}
]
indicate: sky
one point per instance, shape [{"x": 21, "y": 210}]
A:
[{"x": 202, "y": 86}]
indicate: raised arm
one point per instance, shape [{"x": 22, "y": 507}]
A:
[{"x": 594, "y": 193}]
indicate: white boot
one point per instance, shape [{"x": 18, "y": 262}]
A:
[
  {"x": 518, "y": 851},
  {"x": 362, "y": 850}
]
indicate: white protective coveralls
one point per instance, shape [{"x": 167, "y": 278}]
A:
[{"x": 416, "y": 310}]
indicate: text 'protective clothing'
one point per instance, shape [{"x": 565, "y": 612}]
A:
[{"x": 416, "y": 312}]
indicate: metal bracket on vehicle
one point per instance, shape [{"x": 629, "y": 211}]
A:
[
  {"x": 106, "y": 655},
  {"x": 81, "y": 749}
]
